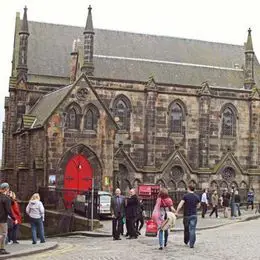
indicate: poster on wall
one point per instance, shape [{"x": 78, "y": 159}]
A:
[{"x": 52, "y": 181}]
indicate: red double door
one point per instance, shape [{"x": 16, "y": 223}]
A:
[{"x": 77, "y": 178}]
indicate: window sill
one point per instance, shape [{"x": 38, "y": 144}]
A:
[
  {"x": 90, "y": 132},
  {"x": 176, "y": 135},
  {"x": 228, "y": 137}
]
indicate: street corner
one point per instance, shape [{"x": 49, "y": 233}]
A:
[{"x": 25, "y": 248}]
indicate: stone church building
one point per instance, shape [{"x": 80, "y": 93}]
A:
[{"x": 121, "y": 108}]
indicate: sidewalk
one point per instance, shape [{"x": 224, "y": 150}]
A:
[
  {"x": 25, "y": 247},
  {"x": 203, "y": 223}
]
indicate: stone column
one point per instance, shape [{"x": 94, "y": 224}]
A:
[
  {"x": 204, "y": 117},
  {"x": 150, "y": 123}
]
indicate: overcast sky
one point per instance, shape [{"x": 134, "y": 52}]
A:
[{"x": 219, "y": 21}]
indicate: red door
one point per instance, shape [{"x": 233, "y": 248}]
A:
[{"x": 77, "y": 178}]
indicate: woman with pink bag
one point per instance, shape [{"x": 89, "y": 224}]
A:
[{"x": 163, "y": 216}]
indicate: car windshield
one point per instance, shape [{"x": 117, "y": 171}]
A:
[{"x": 105, "y": 199}]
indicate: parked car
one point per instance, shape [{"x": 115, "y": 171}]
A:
[{"x": 80, "y": 204}]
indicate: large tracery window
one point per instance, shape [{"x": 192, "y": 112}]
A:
[
  {"x": 176, "y": 118},
  {"x": 228, "y": 122}
]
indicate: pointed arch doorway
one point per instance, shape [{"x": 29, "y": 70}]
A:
[{"x": 77, "y": 177}]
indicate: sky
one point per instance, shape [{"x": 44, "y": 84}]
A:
[{"x": 224, "y": 21}]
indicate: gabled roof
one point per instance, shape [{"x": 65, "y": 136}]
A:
[
  {"x": 47, "y": 104},
  {"x": 134, "y": 56}
]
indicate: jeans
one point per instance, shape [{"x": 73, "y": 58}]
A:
[
  {"x": 12, "y": 233},
  {"x": 232, "y": 206},
  {"x": 37, "y": 225},
  {"x": 3, "y": 234},
  {"x": 237, "y": 206},
  {"x": 163, "y": 234},
  {"x": 190, "y": 223}
]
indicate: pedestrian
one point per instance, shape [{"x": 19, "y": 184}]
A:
[
  {"x": 204, "y": 202},
  {"x": 232, "y": 202},
  {"x": 250, "y": 199},
  {"x": 118, "y": 212},
  {"x": 225, "y": 202},
  {"x": 36, "y": 211},
  {"x": 163, "y": 206},
  {"x": 140, "y": 217},
  {"x": 5, "y": 211},
  {"x": 131, "y": 212},
  {"x": 191, "y": 202},
  {"x": 237, "y": 200},
  {"x": 214, "y": 202},
  {"x": 13, "y": 230}
]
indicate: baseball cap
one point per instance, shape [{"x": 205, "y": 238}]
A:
[{"x": 4, "y": 185}]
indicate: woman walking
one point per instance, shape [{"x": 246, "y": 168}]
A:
[
  {"x": 12, "y": 231},
  {"x": 163, "y": 205},
  {"x": 35, "y": 210}
]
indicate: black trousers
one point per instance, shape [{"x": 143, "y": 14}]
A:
[
  {"x": 204, "y": 208},
  {"x": 250, "y": 203},
  {"x": 131, "y": 227},
  {"x": 117, "y": 223},
  {"x": 214, "y": 209},
  {"x": 141, "y": 220}
]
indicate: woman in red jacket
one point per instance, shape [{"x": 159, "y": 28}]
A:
[{"x": 12, "y": 231}]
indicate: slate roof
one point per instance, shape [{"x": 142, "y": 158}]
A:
[
  {"x": 46, "y": 105},
  {"x": 50, "y": 46}
]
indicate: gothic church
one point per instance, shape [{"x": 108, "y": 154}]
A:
[{"x": 121, "y": 108}]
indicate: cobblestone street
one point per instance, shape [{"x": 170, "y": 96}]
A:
[{"x": 235, "y": 241}]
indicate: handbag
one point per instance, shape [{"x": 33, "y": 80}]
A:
[{"x": 151, "y": 228}]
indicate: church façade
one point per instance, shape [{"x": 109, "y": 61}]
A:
[{"x": 127, "y": 108}]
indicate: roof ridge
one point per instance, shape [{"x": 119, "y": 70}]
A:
[
  {"x": 167, "y": 62},
  {"x": 144, "y": 34}
]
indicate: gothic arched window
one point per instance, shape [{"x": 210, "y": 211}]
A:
[
  {"x": 91, "y": 118},
  {"x": 72, "y": 119},
  {"x": 121, "y": 111},
  {"x": 176, "y": 118},
  {"x": 228, "y": 122}
]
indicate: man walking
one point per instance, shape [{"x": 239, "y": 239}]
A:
[
  {"x": 204, "y": 202},
  {"x": 214, "y": 201},
  {"x": 250, "y": 199},
  {"x": 117, "y": 211},
  {"x": 191, "y": 202},
  {"x": 5, "y": 211}
]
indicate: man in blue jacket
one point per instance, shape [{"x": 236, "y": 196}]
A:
[{"x": 5, "y": 211}]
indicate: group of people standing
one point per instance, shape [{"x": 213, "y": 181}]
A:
[
  {"x": 11, "y": 217},
  {"x": 128, "y": 211}
]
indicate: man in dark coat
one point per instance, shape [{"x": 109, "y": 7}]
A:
[
  {"x": 5, "y": 211},
  {"x": 118, "y": 212},
  {"x": 131, "y": 214}
]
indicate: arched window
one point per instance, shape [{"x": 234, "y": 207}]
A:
[
  {"x": 228, "y": 122},
  {"x": 91, "y": 118},
  {"x": 121, "y": 111},
  {"x": 72, "y": 119},
  {"x": 176, "y": 118}
]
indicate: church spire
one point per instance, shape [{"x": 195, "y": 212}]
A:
[
  {"x": 23, "y": 48},
  {"x": 88, "y": 65},
  {"x": 249, "y": 81}
]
